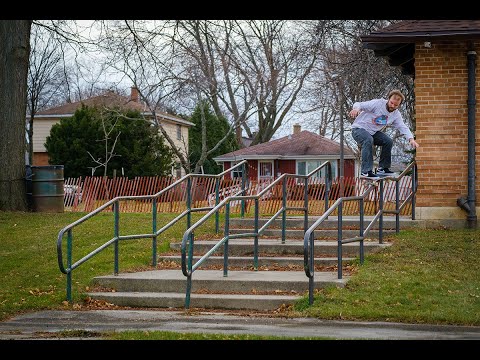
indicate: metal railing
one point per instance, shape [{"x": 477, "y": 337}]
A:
[
  {"x": 188, "y": 238},
  {"x": 309, "y": 237},
  {"x": 115, "y": 202}
]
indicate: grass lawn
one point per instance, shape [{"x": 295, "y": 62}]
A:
[
  {"x": 29, "y": 271},
  {"x": 427, "y": 276}
]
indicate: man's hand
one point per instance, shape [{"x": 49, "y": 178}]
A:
[
  {"x": 413, "y": 143},
  {"x": 354, "y": 113}
]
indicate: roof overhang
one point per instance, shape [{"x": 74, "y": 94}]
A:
[
  {"x": 398, "y": 54},
  {"x": 282, "y": 157},
  {"x": 52, "y": 116},
  {"x": 161, "y": 116},
  {"x": 398, "y": 43},
  {"x": 418, "y": 36}
]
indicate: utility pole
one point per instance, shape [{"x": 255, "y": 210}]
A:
[
  {"x": 341, "y": 175},
  {"x": 337, "y": 78}
]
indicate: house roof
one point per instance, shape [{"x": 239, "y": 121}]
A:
[
  {"x": 304, "y": 144},
  {"x": 397, "y": 41},
  {"x": 109, "y": 99},
  {"x": 413, "y": 30}
]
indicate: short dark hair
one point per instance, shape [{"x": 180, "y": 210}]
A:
[{"x": 398, "y": 93}]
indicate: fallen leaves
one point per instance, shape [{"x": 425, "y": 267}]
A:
[{"x": 37, "y": 292}]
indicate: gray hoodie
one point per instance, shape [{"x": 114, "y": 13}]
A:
[{"x": 375, "y": 117}]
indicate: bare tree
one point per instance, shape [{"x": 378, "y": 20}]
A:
[
  {"x": 205, "y": 150},
  {"x": 137, "y": 49},
  {"x": 44, "y": 77},
  {"x": 14, "y": 55},
  {"x": 109, "y": 150},
  {"x": 81, "y": 72},
  {"x": 280, "y": 56},
  {"x": 251, "y": 71},
  {"x": 204, "y": 50}
]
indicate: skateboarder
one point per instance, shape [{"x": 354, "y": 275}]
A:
[{"x": 371, "y": 118}]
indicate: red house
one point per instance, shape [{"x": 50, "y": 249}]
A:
[{"x": 298, "y": 153}]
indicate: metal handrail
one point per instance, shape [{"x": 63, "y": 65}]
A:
[
  {"x": 398, "y": 208},
  {"x": 188, "y": 237},
  {"x": 309, "y": 238},
  {"x": 115, "y": 202}
]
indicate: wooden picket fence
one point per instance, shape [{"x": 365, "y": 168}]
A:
[{"x": 85, "y": 194}]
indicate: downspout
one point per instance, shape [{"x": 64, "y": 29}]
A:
[{"x": 468, "y": 204}]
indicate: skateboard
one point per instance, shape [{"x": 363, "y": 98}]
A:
[{"x": 380, "y": 177}]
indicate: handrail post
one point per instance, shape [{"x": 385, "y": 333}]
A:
[
  {"x": 397, "y": 206},
  {"x": 255, "y": 240},
  {"x": 190, "y": 253},
  {"x": 414, "y": 189},
  {"x": 189, "y": 271},
  {"x": 380, "y": 222},
  {"x": 154, "y": 232},
  {"x": 339, "y": 240},
  {"x": 312, "y": 269},
  {"x": 69, "y": 265},
  {"x": 217, "y": 200},
  {"x": 188, "y": 291},
  {"x": 284, "y": 206},
  {"x": 244, "y": 182},
  {"x": 362, "y": 216},
  {"x": 328, "y": 183},
  {"x": 189, "y": 202},
  {"x": 226, "y": 234},
  {"x": 116, "y": 207},
  {"x": 305, "y": 204}
]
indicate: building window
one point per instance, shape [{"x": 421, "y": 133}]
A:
[
  {"x": 237, "y": 172},
  {"x": 179, "y": 132},
  {"x": 306, "y": 166},
  {"x": 265, "y": 169}
]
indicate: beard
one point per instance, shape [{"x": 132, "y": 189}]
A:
[{"x": 389, "y": 109}]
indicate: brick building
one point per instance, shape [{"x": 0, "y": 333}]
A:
[
  {"x": 441, "y": 57},
  {"x": 298, "y": 153}
]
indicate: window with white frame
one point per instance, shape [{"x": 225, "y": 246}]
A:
[
  {"x": 238, "y": 171},
  {"x": 265, "y": 169},
  {"x": 304, "y": 167}
]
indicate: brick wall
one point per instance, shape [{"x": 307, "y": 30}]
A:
[
  {"x": 40, "y": 159},
  {"x": 441, "y": 77}
]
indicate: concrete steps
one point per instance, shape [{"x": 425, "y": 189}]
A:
[
  {"x": 254, "y": 290},
  {"x": 278, "y": 282},
  {"x": 239, "y": 247},
  {"x": 296, "y": 222},
  {"x": 263, "y": 261}
]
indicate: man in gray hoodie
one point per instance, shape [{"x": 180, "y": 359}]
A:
[{"x": 371, "y": 118}]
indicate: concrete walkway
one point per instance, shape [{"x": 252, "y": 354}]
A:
[{"x": 35, "y": 325}]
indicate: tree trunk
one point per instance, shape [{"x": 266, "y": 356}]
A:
[{"x": 14, "y": 57}]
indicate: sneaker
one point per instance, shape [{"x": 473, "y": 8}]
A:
[
  {"x": 384, "y": 172},
  {"x": 369, "y": 175}
]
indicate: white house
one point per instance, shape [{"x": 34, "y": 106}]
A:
[{"x": 175, "y": 127}]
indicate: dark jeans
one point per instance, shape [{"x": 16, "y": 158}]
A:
[{"x": 366, "y": 142}]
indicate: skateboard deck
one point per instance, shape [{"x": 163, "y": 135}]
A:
[{"x": 380, "y": 177}]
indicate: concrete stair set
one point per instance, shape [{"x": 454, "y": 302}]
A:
[{"x": 279, "y": 281}]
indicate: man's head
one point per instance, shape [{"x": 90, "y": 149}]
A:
[{"x": 395, "y": 99}]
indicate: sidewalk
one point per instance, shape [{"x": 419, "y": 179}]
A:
[{"x": 35, "y": 325}]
